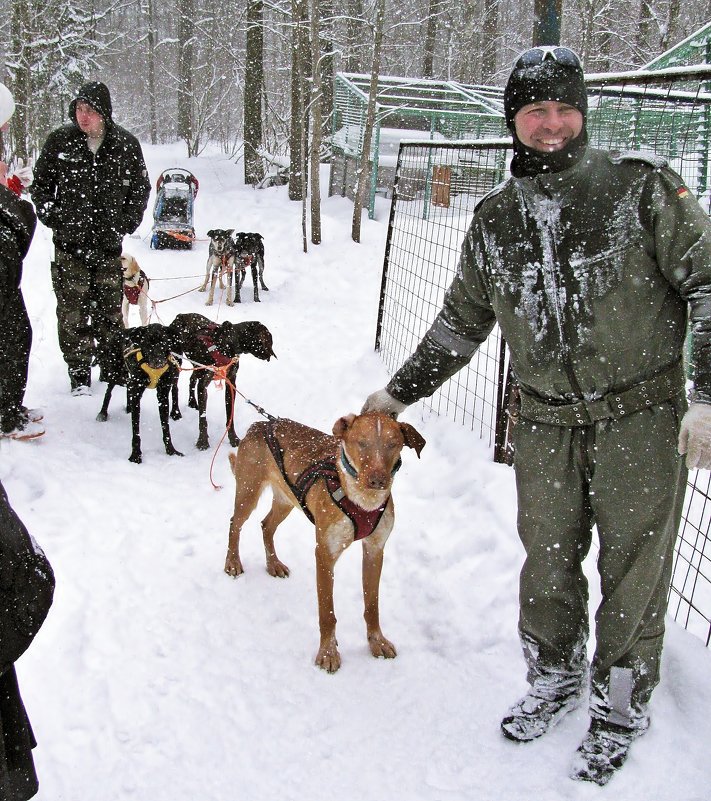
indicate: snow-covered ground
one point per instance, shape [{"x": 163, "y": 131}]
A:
[{"x": 158, "y": 678}]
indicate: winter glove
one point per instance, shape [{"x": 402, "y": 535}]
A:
[
  {"x": 23, "y": 173},
  {"x": 383, "y": 401},
  {"x": 14, "y": 185},
  {"x": 695, "y": 436}
]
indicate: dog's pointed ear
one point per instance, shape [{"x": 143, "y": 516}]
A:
[
  {"x": 342, "y": 425},
  {"x": 413, "y": 438},
  {"x": 211, "y": 233},
  {"x": 230, "y": 231}
]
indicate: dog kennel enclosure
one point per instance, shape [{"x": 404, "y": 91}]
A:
[{"x": 405, "y": 109}]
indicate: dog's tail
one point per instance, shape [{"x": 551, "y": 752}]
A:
[{"x": 232, "y": 456}]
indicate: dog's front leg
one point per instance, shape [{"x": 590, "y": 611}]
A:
[
  {"x": 327, "y": 657},
  {"x": 372, "y": 568},
  {"x": 230, "y": 405},
  {"x": 255, "y": 281},
  {"x": 240, "y": 273},
  {"x": 208, "y": 273},
  {"x": 175, "y": 413},
  {"x": 103, "y": 414},
  {"x": 133, "y": 397},
  {"x": 230, "y": 276},
  {"x": 203, "y": 381},
  {"x": 163, "y": 392}
]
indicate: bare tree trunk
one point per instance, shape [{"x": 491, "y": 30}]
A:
[
  {"x": 354, "y": 26},
  {"x": 364, "y": 169},
  {"x": 186, "y": 48},
  {"x": 22, "y": 81},
  {"x": 299, "y": 119},
  {"x": 546, "y": 25},
  {"x": 430, "y": 38},
  {"x": 316, "y": 123},
  {"x": 489, "y": 45},
  {"x": 253, "y": 83},
  {"x": 151, "y": 44},
  {"x": 327, "y": 66}
]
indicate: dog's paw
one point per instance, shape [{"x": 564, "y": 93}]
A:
[
  {"x": 328, "y": 659},
  {"x": 233, "y": 566},
  {"x": 380, "y": 647},
  {"x": 277, "y": 569},
  {"x": 136, "y": 458},
  {"x": 230, "y": 303},
  {"x": 202, "y": 444},
  {"x": 233, "y": 439},
  {"x": 102, "y": 417},
  {"x": 202, "y": 289},
  {"x": 176, "y": 414},
  {"x": 171, "y": 450}
]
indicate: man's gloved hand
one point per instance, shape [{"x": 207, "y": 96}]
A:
[
  {"x": 695, "y": 436},
  {"x": 24, "y": 173},
  {"x": 383, "y": 401}
]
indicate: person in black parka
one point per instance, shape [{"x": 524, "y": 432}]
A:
[
  {"x": 91, "y": 188},
  {"x": 26, "y": 592},
  {"x": 17, "y": 225}
]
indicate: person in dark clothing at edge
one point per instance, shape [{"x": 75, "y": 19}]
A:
[
  {"x": 17, "y": 225},
  {"x": 26, "y": 594},
  {"x": 591, "y": 262},
  {"x": 91, "y": 188}
]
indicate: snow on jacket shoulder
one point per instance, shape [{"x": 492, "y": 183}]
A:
[
  {"x": 590, "y": 274},
  {"x": 91, "y": 201}
]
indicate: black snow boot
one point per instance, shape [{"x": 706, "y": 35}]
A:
[
  {"x": 603, "y": 751},
  {"x": 537, "y": 712}
]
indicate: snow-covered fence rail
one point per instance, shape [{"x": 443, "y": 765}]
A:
[{"x": 437, "y": 186}]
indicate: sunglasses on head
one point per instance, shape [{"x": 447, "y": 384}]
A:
[{"x": 537, "y": 55}]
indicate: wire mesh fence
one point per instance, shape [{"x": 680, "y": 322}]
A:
[{"x": 438, "y": 185}]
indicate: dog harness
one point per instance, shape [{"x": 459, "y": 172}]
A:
[
  {"x": 154, "y": 373},
  {"x": 206, "y": 338},
  {"x": 364, "y": 522},
  {"x": 132, "y": 292}
]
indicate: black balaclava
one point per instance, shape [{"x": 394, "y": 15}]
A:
[{"x": 548, "y": 80}]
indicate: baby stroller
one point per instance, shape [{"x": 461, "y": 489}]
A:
[{"x": 176, "y": 190}]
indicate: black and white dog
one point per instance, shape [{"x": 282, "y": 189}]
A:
[
  {"x": 249, "y": 252},
  {"x": 220, "y": 264}
]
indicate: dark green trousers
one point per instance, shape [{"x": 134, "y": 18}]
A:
[
  {"x": 625, "y": 477},
  {"x": 89, "y": 292}
]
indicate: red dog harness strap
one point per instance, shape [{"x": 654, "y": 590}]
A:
[
  {"x": 132, "y": 292},
  {"x": 364, "y": 522},
  {"x": 206, "y": 337}
]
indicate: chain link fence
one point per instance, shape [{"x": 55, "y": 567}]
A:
[{"x": 438, "y": 185}]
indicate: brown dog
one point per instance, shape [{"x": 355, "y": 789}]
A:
[{"x": 342, "y": 483}]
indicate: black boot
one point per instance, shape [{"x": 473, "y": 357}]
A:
[{"x": 80, "y": 380}]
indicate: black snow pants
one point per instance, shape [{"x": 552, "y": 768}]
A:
[{"x": 15, "y": 344}]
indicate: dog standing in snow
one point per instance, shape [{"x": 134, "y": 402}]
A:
[{"x": 135, "y": 289}]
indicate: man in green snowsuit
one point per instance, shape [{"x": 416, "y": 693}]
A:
[{"x": 591, "y": 263}]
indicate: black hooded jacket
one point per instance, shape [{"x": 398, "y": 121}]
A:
[
  {"x": 91, "y": 201},
  {"x": 17, "y": 224}
]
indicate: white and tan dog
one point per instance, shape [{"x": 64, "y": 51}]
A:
[{"x": 135, "y": 289}]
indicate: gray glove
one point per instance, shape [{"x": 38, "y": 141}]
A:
[
  {"x": 383, "y": 401},
  {"x": 695, "y": 436}
]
